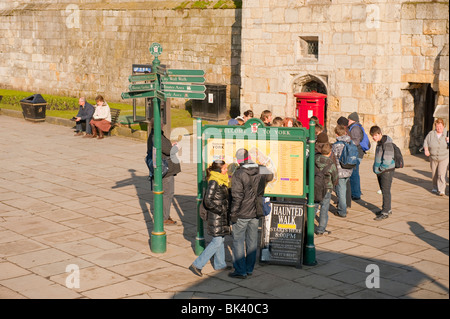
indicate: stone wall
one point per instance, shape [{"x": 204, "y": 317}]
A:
[
  {"x": 87, "y": 47},
  {"x": 368, "y": 55}
]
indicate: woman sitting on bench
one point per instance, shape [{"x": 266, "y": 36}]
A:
[{"x": 101, "y": 119}]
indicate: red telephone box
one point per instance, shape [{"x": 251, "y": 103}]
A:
[{"x": 310, "y": 104}]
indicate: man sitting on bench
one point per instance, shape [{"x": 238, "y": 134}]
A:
[{"x": 84, "y": 115}]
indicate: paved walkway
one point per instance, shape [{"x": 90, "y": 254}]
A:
[{"x": 69, "y": 203}]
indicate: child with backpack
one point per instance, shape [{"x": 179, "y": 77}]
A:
[
  {"x": 383, "y": 167},
  {"x": 325, "y": 164},
  {"x": 344, "y": 166}
]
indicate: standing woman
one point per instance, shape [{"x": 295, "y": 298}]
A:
[
  {"x": 101, "y": 119},
  {"x": 436, "y": 147},
  {"x": 216, "y": 202}
]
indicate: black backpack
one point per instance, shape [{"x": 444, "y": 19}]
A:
[
  {"x": 320, "y": 184},
  {"x": 398, "y": 157}
]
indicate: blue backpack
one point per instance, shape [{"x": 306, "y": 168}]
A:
[
  {"x": 365, "y": 143},
  {"x": 349, "y": 155}
]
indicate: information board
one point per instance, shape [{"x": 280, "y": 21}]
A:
[
  {"x": 283, "y": 233},
  {"x": 281, "y": 149},
  {"x": 283, "y": 158}
]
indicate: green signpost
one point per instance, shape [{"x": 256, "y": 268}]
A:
[
  {"x": 155, "y": 87},
  {"x": 142, "y": 87},
  {"x": 142, "y": 77},
  {"x": 137, "y": 94},
  {"x": 183, "y": 88},
  {"x": 182, "y": 79}
]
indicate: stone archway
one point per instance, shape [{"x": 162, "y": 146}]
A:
[{"x": 307, "y": 82}]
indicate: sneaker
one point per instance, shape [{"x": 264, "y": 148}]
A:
[
  {"x": 339, "y": 215},
  {"x": 78, "y": 133},
  {"x": 381, "y": 216},
  {"x": 195, "y": 270},
  {"x": 441, "y": 194},
  {"x": 87, "y": 135},
  {"x": 236, "y": 275},
  {"x": 169, "y": 221},
  {"x": 434, "y": 190},
  {"x": 320, "y": 233}
]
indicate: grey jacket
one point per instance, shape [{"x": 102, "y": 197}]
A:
[
  {"x": 437, "y": 147},
  {"x": 337, "y": 150}
]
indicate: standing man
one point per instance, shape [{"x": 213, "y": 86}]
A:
[
  {"x": 383, "y": 167},
  {"x": 249, "y": 182},
  {"x": 359, "y": 137},
  {"x": 168, "y": 155},
  {"x": 85, "y": 114}
]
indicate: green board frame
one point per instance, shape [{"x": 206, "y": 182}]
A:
[{"x": 254, "y": 130}]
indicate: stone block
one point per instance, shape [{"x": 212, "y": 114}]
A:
[
  {"x": 291, "y": 16},
  {"x": 412, "y": 26},
  {"x": 434, "y": 27},
  {"x": 432, "y": 11},
  {"x": 272, "y": 99},
  {"x": 443, "y": 87},
  {"x": 353, "y": 75},
  {"x": 408, "y": 11},
  {"x": 349, "y": 104}
]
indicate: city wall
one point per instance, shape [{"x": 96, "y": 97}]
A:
[{"x": 87, "y": 47}]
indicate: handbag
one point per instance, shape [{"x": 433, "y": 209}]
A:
[{"x": 151, "y": 166}]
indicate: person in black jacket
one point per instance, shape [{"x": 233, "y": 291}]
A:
[
  {"x": 168, "y": 152},
  {"x": 248, "y": 184},
  {"x": 216, "y": 202}
]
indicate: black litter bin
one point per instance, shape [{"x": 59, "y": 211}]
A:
[
  {"x": 214, "y": 106},
  {"x": 34, "y": 107}
]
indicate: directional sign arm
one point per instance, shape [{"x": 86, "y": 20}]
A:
[
  {"x": 182, "y": 79},
  {"x": 135, "y": 95},
  {"x": 180, "y": 72}
]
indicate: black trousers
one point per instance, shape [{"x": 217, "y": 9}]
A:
[{"x": 385, "y": 182}]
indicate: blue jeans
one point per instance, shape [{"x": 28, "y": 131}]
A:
[
  {"x": 79, "y": 127},
  {"x": 245, "y": 243},
  {"x": 215, "y": 248},
  {"x": 341, "y": 192},
  {"x": 323, "y": 217},
  {"x": 355, "y": 182}
]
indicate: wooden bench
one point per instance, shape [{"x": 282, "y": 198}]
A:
[{"x": 114, "y": 118}]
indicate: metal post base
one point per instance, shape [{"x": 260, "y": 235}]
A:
[
  {"x": 310, "y": 256},
  {"x": 158, "y": 243}
]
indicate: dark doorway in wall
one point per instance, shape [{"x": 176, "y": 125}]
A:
[
  {"x": 424, "y": 99},
  {"x": 430, "y": 105},
  {"x": 236, "y": 50},
  {"x": 318, "y": 87}
]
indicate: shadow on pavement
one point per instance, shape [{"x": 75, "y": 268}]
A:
[
  {"x": 185, "y": 206},
  {"x": 428, "y": 237},
  {"x": 336, "y": 275}
]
